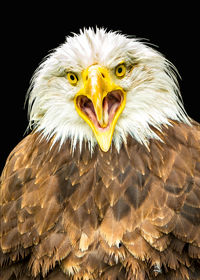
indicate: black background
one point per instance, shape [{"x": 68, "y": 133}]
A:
[{"x": 30, "y": 32}]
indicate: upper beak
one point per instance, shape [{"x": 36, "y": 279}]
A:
[{"x": 100, "y": 103}]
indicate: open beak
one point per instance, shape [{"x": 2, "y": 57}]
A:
[{"x": 100, "y": 103}]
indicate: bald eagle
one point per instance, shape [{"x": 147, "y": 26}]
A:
[{"x": 107, "y": 183}]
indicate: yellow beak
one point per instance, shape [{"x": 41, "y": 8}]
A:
[{"x": 100, "y": 103}]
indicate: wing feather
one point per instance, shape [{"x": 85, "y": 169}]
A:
[{"x": 132, "y": 214}]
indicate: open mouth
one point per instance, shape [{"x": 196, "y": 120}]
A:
[{"x": 111, "y": 103}]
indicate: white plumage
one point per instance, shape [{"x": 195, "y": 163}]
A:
[{"x": 151, "y": 86}]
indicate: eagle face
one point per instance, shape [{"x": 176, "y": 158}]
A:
[{"x": 101, "y": 86}]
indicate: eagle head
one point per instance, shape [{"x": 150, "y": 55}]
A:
[{"x": 100, "y": 87}]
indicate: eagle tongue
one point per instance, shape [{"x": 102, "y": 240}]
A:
[
  {"x": 110, "y": 105},
  {"x": 111, "y": 102},
  {"x": 105, "y": 112}
]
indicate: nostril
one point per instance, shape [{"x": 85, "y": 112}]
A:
[{"x": 102, "y": 74}]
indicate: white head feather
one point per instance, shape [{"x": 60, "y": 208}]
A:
[{"x": 153, "y": 95}]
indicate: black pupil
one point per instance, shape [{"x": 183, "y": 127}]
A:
[
  {"x": 120, "y": 70},
  {"x": 72, "y": 77}
]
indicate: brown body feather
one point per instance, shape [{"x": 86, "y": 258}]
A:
[{"x": 128, "y": 215}]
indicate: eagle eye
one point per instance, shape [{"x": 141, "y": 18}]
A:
[
  {"x": 72, "y": 78},
  {"x": 120, "y": 70}
]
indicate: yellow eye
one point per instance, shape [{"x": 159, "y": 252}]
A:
[
  {"x": 120, "y": 70},
  {"x": 72, "y": 78}
]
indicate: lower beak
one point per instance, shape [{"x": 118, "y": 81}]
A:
[{"x": 100, "y": 103}]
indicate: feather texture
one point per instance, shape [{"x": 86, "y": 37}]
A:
[
  {"x": 128, "y": 215},
  {"x": 152, "y": 98}
]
